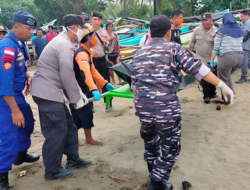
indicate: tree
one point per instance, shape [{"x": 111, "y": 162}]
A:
[
  {"x": 144, "y": 12},
  {"x": 10, "y": 7},
  {"x": 212, "y": 5},
  {"x": 56, "y": 9},
  {"x": 112, "y": 11}
]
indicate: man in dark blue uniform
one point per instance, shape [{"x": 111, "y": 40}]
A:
[
  {"x": 155, "y": 79},
  {"x": 16, "y": 118}
]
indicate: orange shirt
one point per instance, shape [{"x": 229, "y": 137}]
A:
[{"x": 90, "y": 72}]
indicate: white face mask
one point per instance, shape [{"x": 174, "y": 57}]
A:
[{"x": 79, "y": 33}]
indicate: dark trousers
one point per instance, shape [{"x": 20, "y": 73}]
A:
[
  {"x": 162, "y": 147},
  {"x": 59, "y": 131},
  {"x": 102, "y": 66},
  {"x": 209, "y": 90}
]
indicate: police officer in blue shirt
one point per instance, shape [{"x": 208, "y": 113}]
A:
[{"x": 16, "y": 118}]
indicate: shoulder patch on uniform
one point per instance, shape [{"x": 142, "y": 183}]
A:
[
  {"x": 84, "y": 61},
  {"x": 19, "y": 53},
  {"x": 8, "y": 55},
  {"x": 7, "y": 66},
  {"x": 20, "y": 64},
  {"x": 20, "y": 58},
  {"x": 9, "y": 51}
]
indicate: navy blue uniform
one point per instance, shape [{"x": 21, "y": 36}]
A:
[
  {"x": 13, "y": 139},
  {"x": 155, "y": 79}
]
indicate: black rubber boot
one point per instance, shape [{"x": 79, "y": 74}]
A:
[
  {"x": 186, "y": 185},
  {"x": 207, "y": 100},
  {"x": 75, "y": 163},
  {"x": 24, "y": 157},
  {"x": 4, "y": 181},
  {"x": 61, "y": 174},
  {"x": 155, "y": 185},
  {"x": 167, "y": 186}
]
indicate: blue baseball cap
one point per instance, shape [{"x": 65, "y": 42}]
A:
[{"x": 24, "y": 17}]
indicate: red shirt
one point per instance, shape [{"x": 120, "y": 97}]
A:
[{"x": 49, "y": 36}]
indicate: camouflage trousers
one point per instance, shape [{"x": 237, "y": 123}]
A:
[{"x": 162, "y": 147}]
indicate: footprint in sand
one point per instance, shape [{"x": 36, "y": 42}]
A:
[{"x": 185, "y": 100}]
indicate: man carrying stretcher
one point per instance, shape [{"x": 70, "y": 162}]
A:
[{"x": 86, "y": 76}]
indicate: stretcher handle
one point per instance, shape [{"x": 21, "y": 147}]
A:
[{"x": 93, "y": 98}]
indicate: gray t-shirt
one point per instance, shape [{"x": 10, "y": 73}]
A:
[{"x": 55, "y": 72}]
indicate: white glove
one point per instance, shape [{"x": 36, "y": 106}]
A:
[
  {"x": 227, "y": 93},
  {"x": 85, "y": 99},
  {"x": 82, "y": 102},
  {"x": 79, "y": 104}
]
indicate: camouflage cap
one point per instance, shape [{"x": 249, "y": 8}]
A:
[{"x": 3, "y": 28}]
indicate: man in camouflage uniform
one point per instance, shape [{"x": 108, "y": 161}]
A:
[{"x": 155, "y": 78}]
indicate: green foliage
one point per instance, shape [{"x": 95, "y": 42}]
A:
[
  {"x": 56, "y": 9},
  {"x": 144, "y": 12},
  {"x": 212, "y": 5},
  {"x": 112, "y": 11},
  {"x": 10, "y": 7}
]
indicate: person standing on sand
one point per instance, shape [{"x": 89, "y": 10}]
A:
[
  {"x": 204, "y": 37},
  {"x": 114, "y": 51},
  {"x": 245, "y": 18},
  {"x": 54, "y": 74},
  {"x": 155, "y": 78},
  {"x": 16, "y": 117},
  {"x": 228, "y": 42},
  {"x": 100, "y": 52},
  {"x": 86, "y": 76},
  {"x": 38, "y": 43}
]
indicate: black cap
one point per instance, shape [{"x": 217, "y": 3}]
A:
[
  {"x": 72, "y": 19},
  {"x": 159, "y": 25},
  {"x": 96, "y": 14},
  {"x": 206, "y": 16},
  {"x": 24, "y": 17},
  {"x": 3, "y": 28}
]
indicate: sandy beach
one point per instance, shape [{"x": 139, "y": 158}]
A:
[{"x": 215, "y": 148}]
